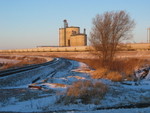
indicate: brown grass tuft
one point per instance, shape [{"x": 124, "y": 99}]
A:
[
  {"x": 85, "y": 92},
  {"x": 114, "y": 76},
  {"x": 99, "y": 73}
]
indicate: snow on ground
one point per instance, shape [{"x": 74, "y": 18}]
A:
[
  {"x": 3, "y": 60},
  {"x": 54, "y": 80}
]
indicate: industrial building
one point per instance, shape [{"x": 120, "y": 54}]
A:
[
  {"x": 71, "y": 36},
  {"x": 71, "y": 40}
]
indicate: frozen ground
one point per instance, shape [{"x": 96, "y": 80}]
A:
[
  {"x": 3, "y": 60},
  {"x": 54, "y": 79}
]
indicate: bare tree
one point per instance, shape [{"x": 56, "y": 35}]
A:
[{"x": 108, "y": 31}]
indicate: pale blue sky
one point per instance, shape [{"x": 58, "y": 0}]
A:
[{"x": 30, "y": 23}]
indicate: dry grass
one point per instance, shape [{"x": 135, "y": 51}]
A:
[
  {"x": 8, "y": 57},
  {"x": 93, "y": 63},
  {"x": 114, "y": 76},
  {"x": 59, "y": 85},
  {"x": 1, "y": 64},
  {"x": 24, "y": 61},
  {"x": 7, "y": 66},
  {"x": 127, "y": 66},
  {"x": 118, "y": 70},
  {"x": 99, "y": 73},
  {"x": 107, "y": 74},
  {"x": 84, "y": 92}
]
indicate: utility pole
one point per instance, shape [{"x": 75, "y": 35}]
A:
[{"x": 148, "y": 35}]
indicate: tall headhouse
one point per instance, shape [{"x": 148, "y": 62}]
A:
[{"x": 71, "y": 36}]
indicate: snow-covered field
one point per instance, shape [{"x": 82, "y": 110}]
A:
[
  {"x": 54, "y": 79},
  {"x": 3, "y": 60}
]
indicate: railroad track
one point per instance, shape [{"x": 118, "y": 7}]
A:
[
  {"x": 131, "y": 106},
  {"x": 26, "y": 68}
]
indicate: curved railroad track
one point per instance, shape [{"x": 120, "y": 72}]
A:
[{"x": 26, "y": 68}]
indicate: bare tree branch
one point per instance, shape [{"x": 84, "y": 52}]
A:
[{"x": 108, "y": 31}]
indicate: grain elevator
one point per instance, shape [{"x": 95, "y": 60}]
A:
[{"x": 71, "y": 36}]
